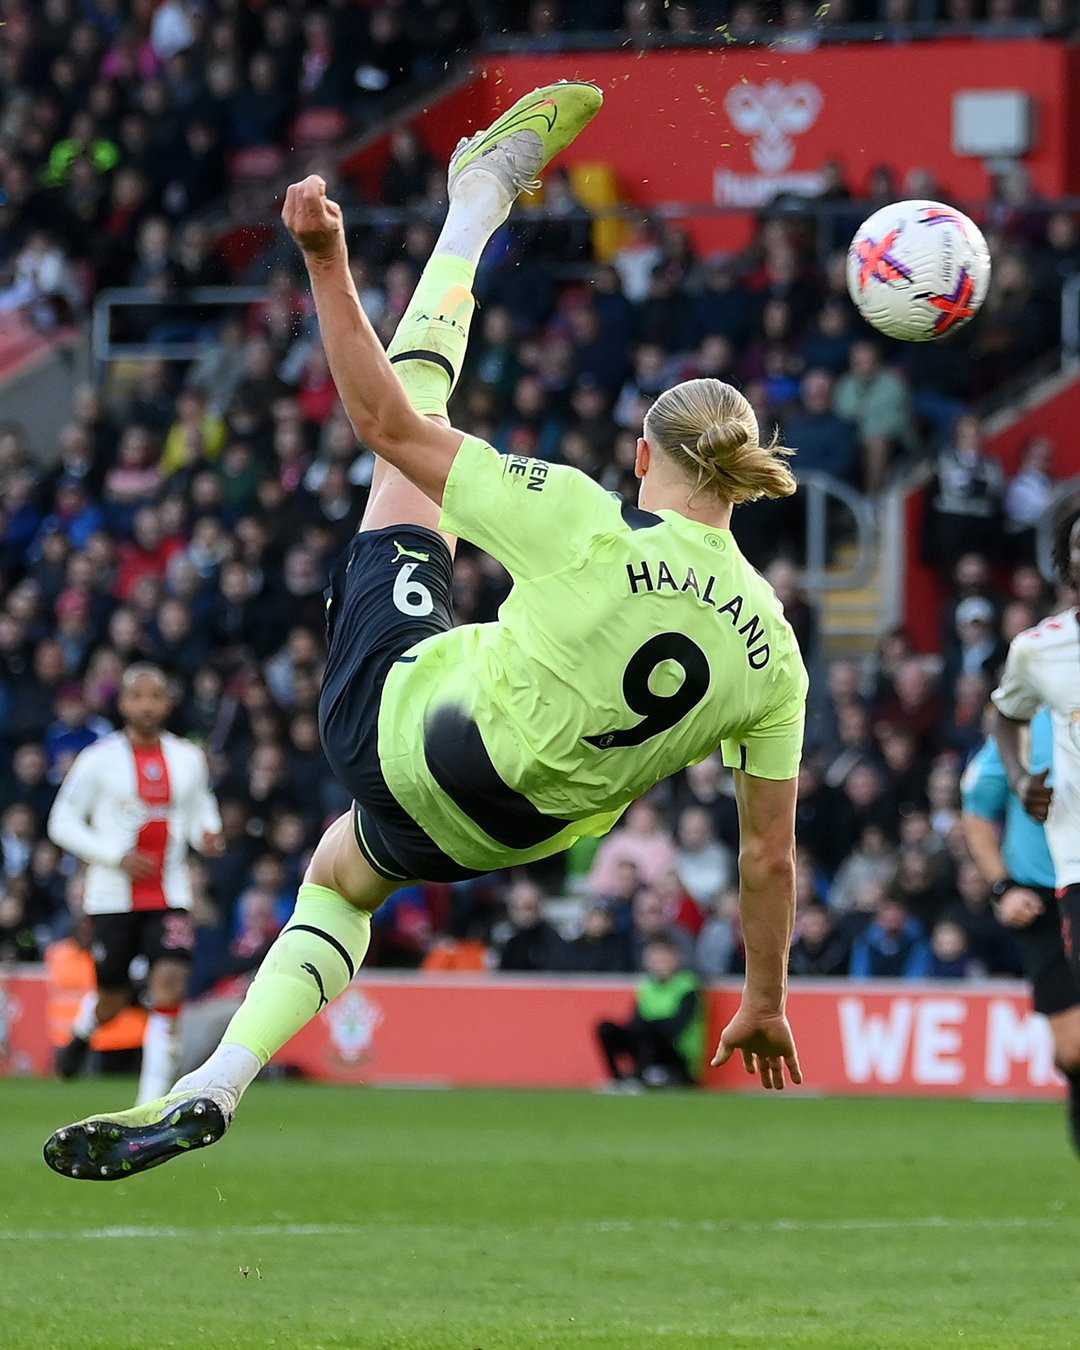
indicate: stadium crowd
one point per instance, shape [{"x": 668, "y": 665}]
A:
[{"x": 188, "y": 514}]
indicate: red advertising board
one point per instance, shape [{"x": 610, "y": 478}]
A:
[
  {"x": 24, "y": 1030},
  {"x": 944, "y": 1039},
  {"x": 881, "y": 1037},
  {"x": 919, "y": 1039},
  {"x": 733, "y": 126}
]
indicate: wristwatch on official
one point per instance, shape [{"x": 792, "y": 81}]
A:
[{"x": 998, "y": 888}]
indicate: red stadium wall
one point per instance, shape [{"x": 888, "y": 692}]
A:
[
  {"x": 733, "y": 126},
  {"x": 940, "y": 1039},
  {"x": 925, "y": 589},
  {"x": 1057, "y": 417}
]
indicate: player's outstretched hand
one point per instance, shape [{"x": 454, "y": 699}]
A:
[
  {"x": 1035, "y": 795},
  {"x": 314, "y": 221},
  {"x": 766, "y": 1043}
]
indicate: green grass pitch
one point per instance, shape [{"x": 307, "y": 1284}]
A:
[{"x": 335, "y": 1217}]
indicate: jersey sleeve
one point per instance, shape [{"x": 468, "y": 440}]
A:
[
  {"x": 533, "y": 516},
  {"x": 69, "y": 825},
  {"x": 203, "y": 814},
  {"x": 1018, "y": 696},
  {"x": 772, "y": 748},
  {"x": 984, "y": 788}
]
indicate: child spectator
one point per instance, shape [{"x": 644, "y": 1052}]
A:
[{"x": 663, "y": 1042}]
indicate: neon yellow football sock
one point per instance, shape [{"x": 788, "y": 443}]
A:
[
  {"x": 313, "y": 959},
  {"x": 429, "y": 346}
]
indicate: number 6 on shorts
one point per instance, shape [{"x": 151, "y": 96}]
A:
[{"x": 412, "y": 597}]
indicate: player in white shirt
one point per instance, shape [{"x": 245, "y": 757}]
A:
[
  {"x": 130, "y": 807},
  {"x": 1043, "y": 670}
]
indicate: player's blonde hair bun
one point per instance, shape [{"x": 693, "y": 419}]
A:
[
  {"x": 722, "y": 440},
  {"x": 709, "y": 429}
]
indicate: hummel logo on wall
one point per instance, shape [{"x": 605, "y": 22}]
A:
[{"x": 771, "y": 114}]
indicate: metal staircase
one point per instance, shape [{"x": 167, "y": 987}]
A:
[
  {"x": 851, "y": 615},
  {"x": 851, "y": 583}
]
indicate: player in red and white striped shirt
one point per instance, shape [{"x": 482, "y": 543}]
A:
[{"x": 130, "y": 807}]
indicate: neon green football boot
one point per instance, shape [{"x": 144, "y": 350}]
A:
[
  {"x": 524, "y": 140},
  {"x": 112, "y": 1147}
]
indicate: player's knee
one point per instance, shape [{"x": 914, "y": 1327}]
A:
[
  {"x": 168, "y": 984},
  {"x": 338, "y": 865},
  {"x": 321, "y": 870}
]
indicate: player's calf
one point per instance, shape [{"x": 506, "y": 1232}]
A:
[{"x": 1065, "y": 1027}]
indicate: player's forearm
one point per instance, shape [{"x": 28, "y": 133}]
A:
[
  {"x": 1007, "y": 735},
  {"x": 984, "y": 846},
  {"x": 76, "y": 837},
  {"x": 767, "y": 907},
  {"x": 373, "y": 396},
  {"x": 204, "y": 819}
]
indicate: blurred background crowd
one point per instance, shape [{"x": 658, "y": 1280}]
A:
[{"x": 189, "y": 512}]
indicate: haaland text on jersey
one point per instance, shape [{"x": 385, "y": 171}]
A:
[{"x": 642, "y": 582}]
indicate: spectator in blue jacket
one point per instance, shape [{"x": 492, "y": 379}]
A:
[{"x": 893, "y": 947}]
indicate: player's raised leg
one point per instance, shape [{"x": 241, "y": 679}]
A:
[
  {"x": 326, "y": 939},
  {"x": 487, "y": 173}
]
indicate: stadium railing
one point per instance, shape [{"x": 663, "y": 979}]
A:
[
  {"x": 818, "y": 33},
  {"x": 820, "y": 572},
  {"x": 1070, "y": 321},
  {"x": 105, "y": 348}
]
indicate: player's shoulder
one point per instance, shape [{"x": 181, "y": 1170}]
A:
[
  {"x": 1049, "y": 632},
  {"x": 102, "y": 750},
  {"x": 180, "y": 748}
]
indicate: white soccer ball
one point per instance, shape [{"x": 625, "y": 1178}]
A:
[{"x": 918, "y": 270}]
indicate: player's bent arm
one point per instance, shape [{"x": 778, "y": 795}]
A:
[
  {"x": 373, "y": 397},
  {"x": 203, "y": 815},
  {"x": 69, "y": 826},
  {"x": 984, "y": 844},
  {"x": 1007, "y": 732},
  {"x": 1035, "y": 796},
  {"x": 766, "y": 884}
]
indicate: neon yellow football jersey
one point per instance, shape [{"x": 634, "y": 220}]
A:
[{"x": 631, "y": 645}]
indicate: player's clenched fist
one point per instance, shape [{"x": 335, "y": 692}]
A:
[
  {"x": 313, "y": 220},
  {"x": 1036, "y": 795}
]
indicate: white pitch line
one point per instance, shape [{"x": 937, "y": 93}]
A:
[{"x": 929, "y": 1221}]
